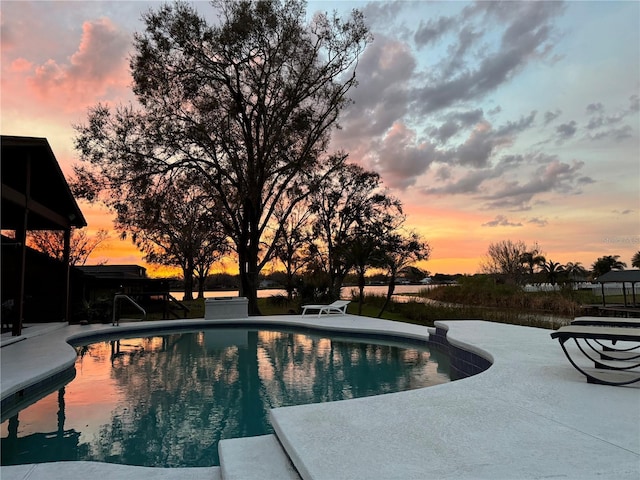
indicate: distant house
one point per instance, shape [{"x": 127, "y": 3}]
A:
[{"x": 100, "y": 283}]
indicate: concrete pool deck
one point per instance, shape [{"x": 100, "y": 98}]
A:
[{"x": 530, "y": 415}]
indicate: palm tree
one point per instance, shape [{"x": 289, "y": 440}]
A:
[
  {"x": 552, "y": 269},
  {"x": 575, "y": 270},
  {"x": 532, "y": 259},
  {"x": 606, "y": 264},
  {"x": 635, "y": 260}
]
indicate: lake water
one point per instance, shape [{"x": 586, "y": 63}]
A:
[{"x": 346, "y": 291}]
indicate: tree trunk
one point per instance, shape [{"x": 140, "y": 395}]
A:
[
  {"x": 336, "y": 286},
  {"x": 390, "y": 290},
  {"x": 187, "y": 272},
  {"x": 290, "y": 283},
  {"x": 360, "y": 290},
  {"x": 201, "y": 281},
  {"x": 248, "y": 266}
]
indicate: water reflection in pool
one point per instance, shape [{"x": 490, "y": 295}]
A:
[{"x": 167, "y": 400}]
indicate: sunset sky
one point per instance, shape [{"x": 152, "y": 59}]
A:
[{"x": 490, "y": 121}]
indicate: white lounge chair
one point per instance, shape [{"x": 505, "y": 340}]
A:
[
  {"x": 607, "y": 321},
  {"x": 339, "y": 307}
]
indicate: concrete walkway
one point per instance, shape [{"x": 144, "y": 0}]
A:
[{"x": 531, "y": 415}]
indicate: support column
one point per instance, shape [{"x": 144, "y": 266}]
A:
[
  {"x": 21, "y": 236},
  {"x": 67, "y": 270}
]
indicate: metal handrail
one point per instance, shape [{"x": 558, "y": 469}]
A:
[{"x": 122, "y": 296}]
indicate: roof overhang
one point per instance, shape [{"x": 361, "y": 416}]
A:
[
  {"x": 33, "y": 184},
  {"x": 619, "y": 276}
]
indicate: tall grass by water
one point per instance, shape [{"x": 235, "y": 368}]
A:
[
  {"x": 485, "y": 292},
  {"x": 426, "y": 313},
  {"x": 479, "y": 298}
]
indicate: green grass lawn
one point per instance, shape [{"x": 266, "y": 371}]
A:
[{"x": 280, "y": 306}]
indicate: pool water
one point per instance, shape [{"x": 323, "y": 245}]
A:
[{"x": 166, "y": 401}]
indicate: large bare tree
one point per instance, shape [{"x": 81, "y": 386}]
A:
[
  {"x": 51, "y": 242},
  {"x": 505, "y": 258},
  {"x": 247, "y": 101}
]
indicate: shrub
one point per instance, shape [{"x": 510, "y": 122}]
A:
[{"x": 482, "y": 291}]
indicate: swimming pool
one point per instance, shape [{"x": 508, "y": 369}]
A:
[{"x": 166, "y": 400}]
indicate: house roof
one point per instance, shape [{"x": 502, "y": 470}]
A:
[
  {"x": 32, "y": 181},
  {"x": 619, "y": 276},
  {"x": 114, "y": 271}
]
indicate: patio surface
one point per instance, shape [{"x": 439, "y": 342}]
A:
[{"x": 530, "y": 415}]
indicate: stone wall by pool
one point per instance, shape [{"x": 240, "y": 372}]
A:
[{"x": 464, "y": 361}]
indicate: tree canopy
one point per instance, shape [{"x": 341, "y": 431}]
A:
[
  {"x": 174, "y": 222},
  {"x": 505, "y": 258},
  {"x": 352, "y": 214},
  {"x": 81, "y": 244},
  {"x": 607, "y": 263},
  {"x": 247, "y": 102}
]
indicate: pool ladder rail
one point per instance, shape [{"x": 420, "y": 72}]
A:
[{"x": 121, "y": 296}]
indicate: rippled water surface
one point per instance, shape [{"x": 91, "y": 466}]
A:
[{"x": 167, "y": 400}]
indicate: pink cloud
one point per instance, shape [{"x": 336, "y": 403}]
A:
[
  {"x": 21, "y": 65},
  {"x": 99, "y": 64},
  {"x": 102, "y": 50},
  {"x": 402, "y": 157}
]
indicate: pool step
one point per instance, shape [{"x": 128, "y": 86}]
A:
[{"x": 255, "y": 458}]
